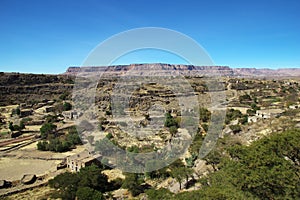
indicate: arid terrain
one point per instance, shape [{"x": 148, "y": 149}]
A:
[{"x": 141, "y": 113}]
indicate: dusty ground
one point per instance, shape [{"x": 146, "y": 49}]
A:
[
  {"x": 14, "y": 168},
  {"x": 28, "y": 160},
  {"x": 34, "y": 128}
]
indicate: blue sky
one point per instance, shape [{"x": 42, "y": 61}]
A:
[{"x": 48, "y": 36}]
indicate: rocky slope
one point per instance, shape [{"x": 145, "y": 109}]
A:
[{"x": 16, "y": 88}]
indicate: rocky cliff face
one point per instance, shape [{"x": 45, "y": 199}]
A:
[
  {"x": 154, "y": 69},
  {"x": 188, "y": 70}
]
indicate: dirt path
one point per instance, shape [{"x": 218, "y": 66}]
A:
[{"x": 16, "y": 140}]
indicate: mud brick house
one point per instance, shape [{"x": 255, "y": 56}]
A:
[
  {"x": 26, "y": 112},
  {"x": 270, "y": 113},
  {"x": 80, "y": 160}
]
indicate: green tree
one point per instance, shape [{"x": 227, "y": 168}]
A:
[
  {"x": 213, "y": 158},
  {"x": 66, "y": 185},
  {"x": 89, "y": 183},
  {"x": 196, "y": 144},
  {"x": 42, "y": 145},
  {"x": 56, "y": 145},
  {"x": 22, "y": 125},
  {"x": 232, "y": 114},
  {"x": 11, "y": 127},
  {"x": 73, "y": 139},
  {"x": 47, "y": 129},
  {"x": 87, "y": 193},
  {"x": 92, "y": 177},
  {"x": 264, "y": 170},
  {"x": 181, "y": 174},
  {"x": 219, "y": 191},
  {"x": 133, "y": 183},
  {"x": 161, "y": 193}
]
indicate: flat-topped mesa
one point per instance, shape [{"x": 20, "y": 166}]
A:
[
  {"x": 187, "y": 70},
  {"x": 151, "y": 69}
]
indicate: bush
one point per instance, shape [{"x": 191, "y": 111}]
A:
[
  {"x": 173, "y": 130},
  {"x": 67, "y": 106},
  {"x": 109, "y": 136},
  {"x": 244, "y": 119},
  {"x": 204, "y": 114},
  {"x": 133, "y": 149},
  {"x": 235, "y": 128},
  {"x": 245, "y": 98},
  {"x": 251, "y": 112},
  {"x": 64, "y": 96},
  {"x": 232, "y": 114},
  {"x": 170, "y": 121}
]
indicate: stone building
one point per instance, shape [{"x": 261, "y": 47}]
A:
[
  {"x": 49, "y": 109},
  {"x": 269, "y": 113},
  {"x": 70, "y": 115},
  {"x": 26, "y": 112},
  {"x": 80, "y": 160}
]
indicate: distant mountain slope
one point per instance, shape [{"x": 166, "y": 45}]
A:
[{"x": 188, "y": 70}]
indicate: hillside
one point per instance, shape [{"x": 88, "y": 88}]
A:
[{"x": 16, "y": 88}]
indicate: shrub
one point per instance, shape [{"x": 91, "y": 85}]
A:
[
  {"x": 235, "y": 128},
  {"x": 67, "y": 106},
  {"x": 170, "y": 121}
]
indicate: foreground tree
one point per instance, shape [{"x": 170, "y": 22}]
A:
[
  {"x": 66, "y": 185},
  {"x": 89, "y": 183},
  {"x": 182, "y": 174},
  {"x": 133, "y": 183},
  {"x": 87, "y": 193}
]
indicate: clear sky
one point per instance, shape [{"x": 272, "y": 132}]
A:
[{"x": 47, "y": 36}]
